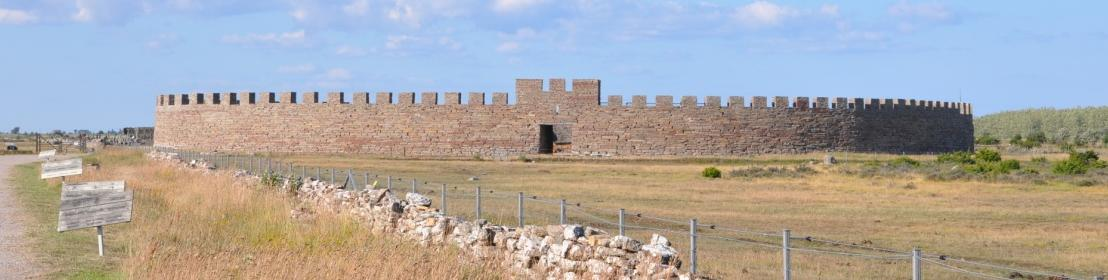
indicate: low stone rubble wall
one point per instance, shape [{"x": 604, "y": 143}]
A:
[{"x": 537, "y": 252}]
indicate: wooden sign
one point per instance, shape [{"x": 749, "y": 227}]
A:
[
  {"x": 93, "y": 186},
  {"x": 97, "y": 214},
  {"x": 47, "y": 154},
  {"x": 94, "y": 204},
  {"x": 61, "y": 168}
]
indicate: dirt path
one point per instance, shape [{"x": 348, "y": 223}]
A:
[{"x": 15, "y": 260}]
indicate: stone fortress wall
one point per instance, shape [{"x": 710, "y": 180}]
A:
[{"x": 574, "y": 119}]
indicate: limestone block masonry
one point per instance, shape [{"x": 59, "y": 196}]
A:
[{"x": 574, "y": 119}]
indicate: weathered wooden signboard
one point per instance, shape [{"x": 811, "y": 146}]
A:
[
  {"x": 47, "y": 154},
  {"x": 61, "y": 168},
  {"x": 94, "y": 204},
  {"x": 94, "y": 211},
  {"x": 92, "y": 186}
]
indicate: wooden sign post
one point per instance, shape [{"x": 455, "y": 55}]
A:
[
  {"x": 94, "y": 204},
  {"x": 61, "y": 169}
]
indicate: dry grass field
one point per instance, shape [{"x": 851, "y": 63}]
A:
[
  {"x": 1053, "y": 226},
  {"x": 189, "y": 226}
]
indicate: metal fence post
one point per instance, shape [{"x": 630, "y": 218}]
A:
[
  {"x": 443, "y": 203},
  {"x": 332, "y": 176},
  {"x": 366, "y": 175},
  {"x": 917, "y": 270},
  {"x": 692, "y": 246},
  {"x": 303, "y": 172},
  {"x": 562, "y": 211},
  {"x": 478, "y": 215},
  {"x": 785, "y": 236},
  {"x": 318, "y": 177},
  {"x": 350, "y": 179},
  {"x": 520, "y": 205},
  {"x": 414, "y": 185},
  {"x": 621, "y": 221},
  {"x": 389, "y": 184}
]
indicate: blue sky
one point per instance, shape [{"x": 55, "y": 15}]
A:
[{"x": 68, "y": 64}]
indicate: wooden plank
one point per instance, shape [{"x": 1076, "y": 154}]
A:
[
  {"x": 86, "y": 217},
  {"x": 47, "y": 154},
  {"x": 94, "y": 198},
  {"x": 61, "y": 168},
  {"x": 93, "y": 186}
]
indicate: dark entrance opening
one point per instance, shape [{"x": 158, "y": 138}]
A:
[{"x": 546, "y": 139}]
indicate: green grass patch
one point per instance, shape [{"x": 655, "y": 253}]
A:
[{"x": 71, "y": 254}]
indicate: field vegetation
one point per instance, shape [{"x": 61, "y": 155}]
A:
[
  {"x": 1033, "y": 127},
  {"x": 192, "y": 226},
  {"x": 991, "y": 206}
]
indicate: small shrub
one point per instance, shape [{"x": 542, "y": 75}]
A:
[
  {"x": 987, "y": 155},
  {"x": 960, "y": 157},
  {"x": 1038, "y": 159},
  {"x": 904, "y": 161},
  {"x": 1016, "y": 140},
  {"x": 711, "y": 172},
  {"x": 1070, "y": 167},
  {"x": 271, "y": 179},
  {"x": 986, "y": 139},
  {"x": 1008, "y": 165},
  {"x": 1079, "y": 163}
]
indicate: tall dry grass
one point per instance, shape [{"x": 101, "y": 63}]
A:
[
  {"x": 192, "y": 226},
  {"x": 1056, "y": 227}
]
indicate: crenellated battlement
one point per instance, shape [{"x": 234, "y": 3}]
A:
[
  {"x": 501, "y": 99},
  {"x": 572, "y": 116}
]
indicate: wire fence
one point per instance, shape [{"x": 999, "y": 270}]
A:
[{"x": 709, "y": 249}]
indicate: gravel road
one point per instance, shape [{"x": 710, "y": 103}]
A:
[{"x": 15, "y": 258}]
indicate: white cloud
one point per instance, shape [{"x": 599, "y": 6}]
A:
[
  {"x": 16, "y": 16},
  {"x": 84, "y": 13},
  {"x": 829, "y": 10},
  {"x": 348, "y": 50},
  {"x": 507, "y": 47},
  {"x": 927, "y": 11},
  {"x": 405, "y": 14},
  {"x": 296, "y": 69},
  {"x": 357, "y": 8},
  {"x": 337, "y": 74},
  {"x": 300, "y": 15},
  {"x": 763, "y": 13},
  {"x": 509, "y": 6},
  {"x": 286, "y": 39}
]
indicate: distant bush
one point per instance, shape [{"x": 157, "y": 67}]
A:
[
  {"x": 711, "y": 172},
  {"x": 986, "y": 139},
  {"x": 1069, "y": 167},
  {"x": 1007, "y": 165},
  {"x": 987, "y": 155},
  {"x": 1033, "y": 140},
  {"x": 904, "y": 161},
  {"x": 772, "y": 171},
  {"x": 960, "y": 157},
  {"x": 1001, "y": 167},
  {"x": 1079, "y": 163},
  {"x": 1038, "y": 159}
]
